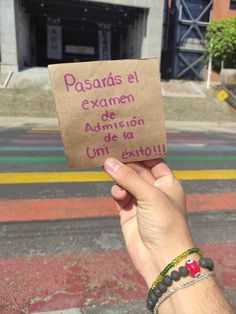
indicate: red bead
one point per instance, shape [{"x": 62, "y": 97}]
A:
[{"x": 193, "y": 267}]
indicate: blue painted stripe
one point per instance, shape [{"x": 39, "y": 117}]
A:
[
  {"x": 178, "y": 148},
  {"x": 171, "y": 148},
  {"x": 31, "y": 148}
]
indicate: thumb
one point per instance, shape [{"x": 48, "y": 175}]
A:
[{"x": 129, "y": 179}]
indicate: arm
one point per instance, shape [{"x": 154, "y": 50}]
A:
[{"x": 151, "y": 204}]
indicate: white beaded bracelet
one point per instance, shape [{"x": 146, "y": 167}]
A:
[{"x": 184, "y": 285}]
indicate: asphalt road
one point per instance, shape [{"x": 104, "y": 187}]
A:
[{"x": 60, "y": 241}]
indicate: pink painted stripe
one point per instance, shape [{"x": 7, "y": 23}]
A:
[
  {"x": 38, "y": 131},
  {"x": 85, "y": 207},
  {"x": 40, "y": 135},
  {"x": 36, "y": 141}
]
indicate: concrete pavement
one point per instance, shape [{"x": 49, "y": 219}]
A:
[
  {"x": 40, "y": 103},
  {"x": 61, "y": 247},
  {"x": 29, "y": 95}
]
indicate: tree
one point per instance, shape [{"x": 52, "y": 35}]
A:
[{"x": 221, "y": 43}]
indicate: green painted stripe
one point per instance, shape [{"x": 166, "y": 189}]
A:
[
  {"x": 62, "y": 159},
  {"x": 29, "y": 159},
  {"x": 201, "y": 158}
]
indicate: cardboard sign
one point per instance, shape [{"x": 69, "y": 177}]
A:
[{"x": 109, "y": 108}]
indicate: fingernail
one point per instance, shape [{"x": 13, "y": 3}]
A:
[
  {"x": 120, "y": 188},
  {"x": 112, "y": 165}
]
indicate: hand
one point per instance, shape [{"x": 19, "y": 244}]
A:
[{"x": 151, "y": 204}]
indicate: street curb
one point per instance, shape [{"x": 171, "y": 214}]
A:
[{"x": 215, "y": 126}]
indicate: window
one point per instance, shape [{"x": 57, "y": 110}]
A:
[
  {"x": 232, "y": 5},
  {"x": 199, "y": 10}
]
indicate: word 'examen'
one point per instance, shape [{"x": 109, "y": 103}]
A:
[{"x": 81, "y": 86}]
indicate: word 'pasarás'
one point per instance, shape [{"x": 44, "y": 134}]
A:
[{"x": 71, "y": 82}]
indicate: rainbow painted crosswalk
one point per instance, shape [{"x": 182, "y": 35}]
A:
[{"x": 60, "y": 236}]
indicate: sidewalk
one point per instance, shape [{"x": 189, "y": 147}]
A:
[
  {"x": 178, "y": 106},
  {"x": 29, "y": 95}
]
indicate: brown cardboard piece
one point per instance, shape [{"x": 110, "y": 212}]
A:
[{"x": 109, "y": 108}]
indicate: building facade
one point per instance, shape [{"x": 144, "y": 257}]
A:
[
  {"x": 223, "y": 9},
  {"x": 184, "y": 39},
  {"x": 34, "y": 33}
]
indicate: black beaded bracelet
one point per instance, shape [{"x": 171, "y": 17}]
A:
[{"x": 183, "y": 271}]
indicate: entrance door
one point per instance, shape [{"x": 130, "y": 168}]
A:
[{"x": 80, "y": 24}]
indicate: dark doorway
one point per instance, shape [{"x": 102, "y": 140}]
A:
[{"x": 79, "y": 28}]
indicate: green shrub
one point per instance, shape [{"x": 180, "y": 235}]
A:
[{"x": 221, "y": 43}]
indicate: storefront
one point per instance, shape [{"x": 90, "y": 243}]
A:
[{"x": 54, "y": 31}]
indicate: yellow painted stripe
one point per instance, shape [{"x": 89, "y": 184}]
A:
[
  {"x": 52, "y": 177},
  {"x": 45, "y": 129},
  {"x": 228, "y": 174},
  {"x": 99, "y": 176}
]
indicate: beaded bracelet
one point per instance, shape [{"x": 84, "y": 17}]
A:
[
  {"x": 184, "y": 285},
  {"x": 175, "y": 261},
  {"x": 191, "y": 268}
]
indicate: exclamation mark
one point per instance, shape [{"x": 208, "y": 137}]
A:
[
  {"x": 159, "y": 149},
  {"x": 164, "y": 149},
  {"x": 155, "y": 149}
]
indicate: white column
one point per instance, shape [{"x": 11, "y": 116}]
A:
[
  {"x": 152, "y": 43},
  {"x": 9, "y": 59}
]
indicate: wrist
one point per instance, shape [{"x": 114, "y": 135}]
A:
[
  {"x": 163, "y": 258},
  {"x": 167, "y": 256},
  {"x": 177, "y": 274}
]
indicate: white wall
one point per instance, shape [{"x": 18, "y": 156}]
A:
[
  {"x": 8, "y": 36},
  {"x": 153, "y": 41},
  {"x": 0, "y": 28}
]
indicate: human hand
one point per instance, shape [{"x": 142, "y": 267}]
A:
[{"x": 151, "y": 204}]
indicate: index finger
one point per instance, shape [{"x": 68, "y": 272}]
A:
[{"x": 158, "y": 168}]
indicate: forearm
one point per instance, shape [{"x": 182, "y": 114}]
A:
[{"x": 203, "y": 297}]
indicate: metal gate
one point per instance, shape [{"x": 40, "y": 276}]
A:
[{"x": 191, "y": 18}]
